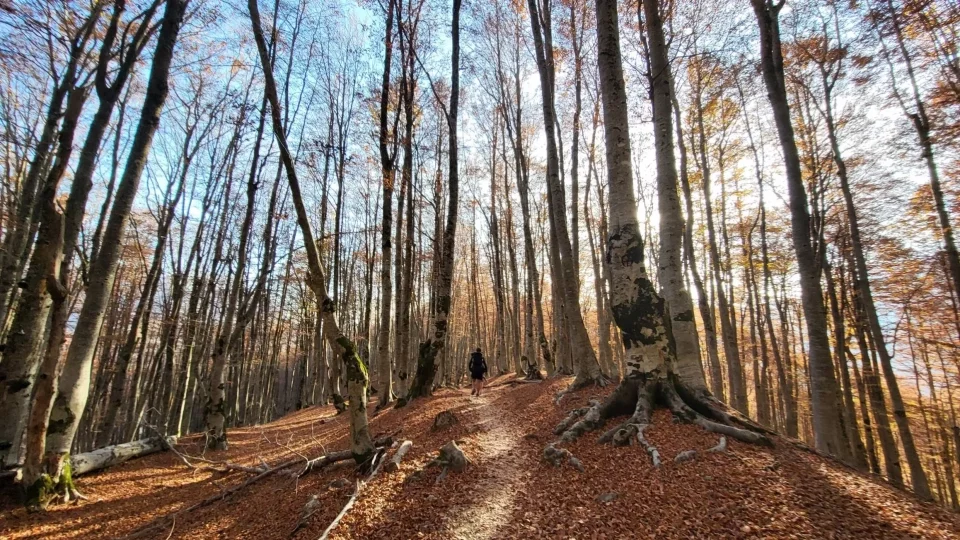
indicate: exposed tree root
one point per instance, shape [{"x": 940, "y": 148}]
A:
[
  {"x": 721, "y": 446},
  {"x": 394, "y": 463},
  {"x": 579, "y": 383},
  {"x": 639, "y": 396},
  {"x": 619, "y": 440},
  {"x": 558, "y": 456}
]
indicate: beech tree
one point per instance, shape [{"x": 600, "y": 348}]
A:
[{"x": 277, "y": 236}]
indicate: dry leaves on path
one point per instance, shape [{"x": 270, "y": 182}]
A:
[{"x": 506, "y": 492}]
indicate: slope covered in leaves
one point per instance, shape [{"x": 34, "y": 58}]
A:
[{"x": 507, "y": 492}]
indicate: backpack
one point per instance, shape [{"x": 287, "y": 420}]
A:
[{"x": 477, "y": 363}]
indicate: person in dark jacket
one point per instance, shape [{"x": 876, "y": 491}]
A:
[{"x": 478, "y": 370}]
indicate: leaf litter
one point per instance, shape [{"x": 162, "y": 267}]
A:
[{"x": 507, "y": 491}]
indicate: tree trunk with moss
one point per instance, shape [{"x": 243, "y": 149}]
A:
[
  {"x": 357, "y": 376},
  {"x": 654, "y": 373},
  {"x": 44, "y": 290},
  {"x": 422, "y": 384},
  {"x": 23, "y": 347},
  {"x": 74, "y": 384}
]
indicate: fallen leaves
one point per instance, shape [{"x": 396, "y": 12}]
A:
[{"x": 508, "y": 491}]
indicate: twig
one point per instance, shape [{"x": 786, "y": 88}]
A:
[
  {"x": 172, "y": 528},
  {"x": 356, "y": 493}
]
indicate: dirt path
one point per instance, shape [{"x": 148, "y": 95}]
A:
[{"x": 497, "y": 455}]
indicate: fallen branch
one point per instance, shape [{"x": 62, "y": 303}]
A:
[
  {"x": 394, "y": 463},
  {"x": 327, "y": 459},
  {"x": 312, "y": 464},
  {"x": 513, "y": 382},
  {"x": 378, "y": 458},
  {"x": 142, "y": 531}
]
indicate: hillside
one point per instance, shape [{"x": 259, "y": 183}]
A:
[{"x": 507, "y": 491}]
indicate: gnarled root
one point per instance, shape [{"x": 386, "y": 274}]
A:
[
  {"x": 640, "y": 395},
  {"x": 580, "y": 383},
  {"x": 687, "y": 414}
]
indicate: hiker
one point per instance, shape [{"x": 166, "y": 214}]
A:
[{"x": 478, "y": 369}]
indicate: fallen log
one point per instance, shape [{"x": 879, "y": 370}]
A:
[{"x": 109, "y": 456}]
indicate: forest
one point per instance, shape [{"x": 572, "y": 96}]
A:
[{"x": 216, "y": 216}]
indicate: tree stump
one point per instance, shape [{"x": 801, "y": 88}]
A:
[
  {"x": 452, "y": 457},
  {"x": 444, "y": 420}
]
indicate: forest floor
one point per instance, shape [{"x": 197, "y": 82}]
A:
[{"x": 506, "y": 492}]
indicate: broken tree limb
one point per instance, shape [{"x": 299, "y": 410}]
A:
[
  {"x": 144, "y": 530},
  {"x": 394, "y": 463},
  {"x": 118, "y": 453},
  {"x": 720, "y": 447},
  {"x": 378, "y": 459},
  {"x": 320, "y": 462}
]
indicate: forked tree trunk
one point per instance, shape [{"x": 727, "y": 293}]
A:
[
  {"x": 44, "y": 287},
  {"x": 17, "y": 237},
  {"x": 74, "y": 385},
  {"x": 22, "y": 352}
]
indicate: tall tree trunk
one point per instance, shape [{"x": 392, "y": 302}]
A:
[
  {"x": 357, "y": 377},
  {"x": 703, "y": 305},
  {"x": 385, "y": 392},
  {"x": 43, "y": 286},
  {"x": 587, "y": 368},
  {"x": 728, "y": 330},
  {"x": 679, "y": 305},
  {"x": 74, "y": 385},
  {"x": 918, "y": 478},
  {"x": 422, "y": 384},
  {"x": 827, "y": 422}
]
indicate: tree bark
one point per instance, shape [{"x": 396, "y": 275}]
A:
[
  {"x": 827, "y": 423},
  {"x": 74, "y": 383},
  {"x": 422, "y": 384},
  {"x": 357, "y": 377},
  {"x": 587, "y": 368}
]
